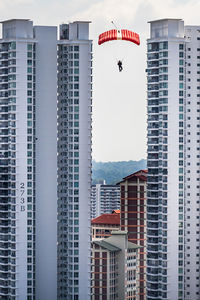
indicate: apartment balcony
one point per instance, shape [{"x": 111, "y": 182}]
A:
[
  {"x": 3, "y": 124},
  {"x": 152, "y": 64},
  {"x": 5, "y": 230},
  {"x": 4, "y": 79},
  {"x": 4, "y": 137},
  {"x": 4, "y": 117},
  {"x": 153, "y": 117},
  {"x": 154, "y": 79},
  {"x": 152, "y": 149},
  {"x": 4, "y": 261},
  {"x": 3, "y": 94},
  {"x": 4, "y": 216},
  {"x": 152, "y": 233},
  {"x": 4, "y": 104},
  {"x": 4, "y": 292},
  {"x": 152, "y": 210},
  {"x": 152, "y": 55},
  {"x": 5, "y": 222},
  {"x": 4, "y": 245},
  {"x": 152, "y": 72},
  {"x": 4, "y": 200},
  {"x": 3, "y": 86},
  {"x": 3, "y": 48},
  {"x": 3, "y": 170},
  {"x": 4, "y": 276},
  {"x": 153, "y": 87},
  {"x": 152, "y": 294},
  {"x": 152, "y": 279},
  {"x": 154, "y": 47},
  {"x": 153, "y": 95},
  {"x": 4, "y": 253},
  {"x": 4, "y": 162},
  {"x": 152, "y": 240},
  {"x": 152, "y": 217},
  {"x": 4, "y": 55},
  {"x": 152, "y": 286},
  {"x": 152, "y": 263},
  {"x": 152, "y": 110},
  {"x": 4, "y": 71},
  {"x": 152, "y": 225},
  {"x": 4, "y": 208},
  {"x": 153, "y": 103},
  {"x": 3, "y": 193},
  {"x": 3, "y": 63},
  {"x": 153, "y": 141},
  {"x": 3, "y": 185},
  {"x": 152, "y": 194},
  {"x": 152, "y": 179},
  {"x": 152, "y": 172},
  {"x": 4, "y": 268},
  {"x": 3, "y": 156},
  {"x": 152, "y": 271},
  {"x": 152, "y": 164}
]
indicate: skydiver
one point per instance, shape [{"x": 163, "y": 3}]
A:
[{"x": 120, "y": 65}]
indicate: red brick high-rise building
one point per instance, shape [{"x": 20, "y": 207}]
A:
[{"x": 133, "y": 219}]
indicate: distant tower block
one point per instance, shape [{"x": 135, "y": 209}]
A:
[
  {"x": 133, "y": 220},
  {"x": 104, "y": 199}
]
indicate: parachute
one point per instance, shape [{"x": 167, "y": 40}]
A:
[{"x": 115, "y": 34}]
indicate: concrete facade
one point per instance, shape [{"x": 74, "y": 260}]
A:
[
  {"x": 74, "y": 160},
  {"x": 133, "y": 220},
  {"x": 114, "y": 268},
  {"x": 45, "y": 161},
  {"x": 26, "y": 202},
  {"x": 173, "y": 160}
]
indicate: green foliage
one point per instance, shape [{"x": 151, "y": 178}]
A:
[{"x": 113, "y": 172}]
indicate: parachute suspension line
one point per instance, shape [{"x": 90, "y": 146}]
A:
[
  {"x": 114, "y": 24},
  {"x": 119, "y": 60}
]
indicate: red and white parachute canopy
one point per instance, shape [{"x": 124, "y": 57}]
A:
[{"x": 116, "y": 34}]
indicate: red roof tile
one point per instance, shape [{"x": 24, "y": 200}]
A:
[
  {"x": 108, "y": 219},
  {"x": 142, "y": 174}
]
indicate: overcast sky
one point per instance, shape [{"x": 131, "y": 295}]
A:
[{"x": 119, "y": 102}]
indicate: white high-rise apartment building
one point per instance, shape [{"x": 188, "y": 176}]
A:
[
  {"x": 173, "y": 198},
  {"x": 104, "y": 199},
  {"x": 45, "y": 147},
  {"x": 74, "y": 160},
  {"x": 28, "y": 166}
]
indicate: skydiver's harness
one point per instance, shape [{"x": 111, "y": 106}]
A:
[{"x": 120, "y": 65}]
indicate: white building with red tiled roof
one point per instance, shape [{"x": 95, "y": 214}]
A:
[{"x": 104, "y": 224}]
